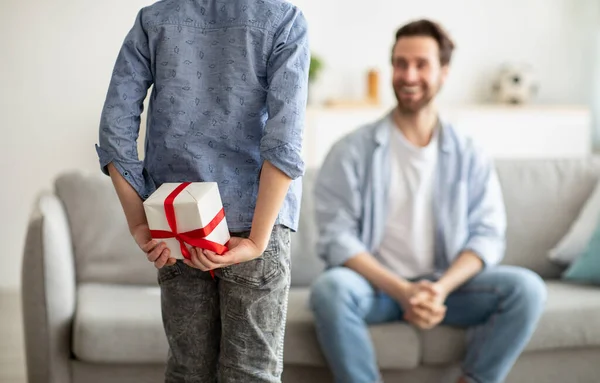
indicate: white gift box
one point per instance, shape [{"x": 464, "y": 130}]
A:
[{"x": 196, "y": 206}]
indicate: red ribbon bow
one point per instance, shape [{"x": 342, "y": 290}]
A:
[{"x": 194, "y": 238}]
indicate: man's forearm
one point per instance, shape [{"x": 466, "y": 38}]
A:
[
  {"x": 130, "y": 201},
  {"x": 367, "y": 266},
  {"x": 467, "y": 265},
  {"x": 272, "y": 189}
]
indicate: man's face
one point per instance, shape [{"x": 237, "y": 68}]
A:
[{"x": 417, "y": 73}]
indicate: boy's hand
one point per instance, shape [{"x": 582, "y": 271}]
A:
[
  {"x": 240, "y": 250},
  {"x": 156, "y": 251}
]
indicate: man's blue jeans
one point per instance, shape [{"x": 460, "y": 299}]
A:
[{"x": 501, "y": 307}]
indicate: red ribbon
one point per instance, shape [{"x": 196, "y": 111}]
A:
[{"x": 194, "y": 238}]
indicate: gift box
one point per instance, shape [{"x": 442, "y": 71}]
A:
[{"x": 188, "y": 214}]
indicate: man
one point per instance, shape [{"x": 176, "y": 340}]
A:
[
  {"x": 412, "y": 226},
  {"x": 230, "y": 86}
]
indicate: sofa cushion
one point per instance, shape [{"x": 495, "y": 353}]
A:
[
  {"x": 543, "y": 197},
  {"x": 586, "y": 267},
  {"x": 119, "y": 324},
  {"x": 106, "y": 253},
  {"x": 581, "y": 231},
  {"x": 570, "y": 320},
  {"x": 104, "y": 250},
  {"x": 122, "y": 324},
  {"x": 306, "y": 265},
  {"x": 396, "y": 345}
]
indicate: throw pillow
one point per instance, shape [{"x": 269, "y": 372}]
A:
[
  {"x": 573, "y": 244},
  {"x": 586, "y": 268}
]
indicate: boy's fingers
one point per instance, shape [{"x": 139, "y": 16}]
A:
[
  {"x": 162, "y": 259},
  {"x": 215, "y": 258},
  {"x": 171, "y": 261},
  {"x": 156, "y": 252},
  {"x": 196, "y": 263},
  {"x": 149, "y": 246},
  {"x": 200, "y": 262},
  {"x": 207, "y": 262}
]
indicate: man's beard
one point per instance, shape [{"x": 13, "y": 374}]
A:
[{"x": 413, "y": 107}]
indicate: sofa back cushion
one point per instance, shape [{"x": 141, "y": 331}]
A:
[
  {"x": 306, "y": 265},
  {"x": 104, "y": 250},
  {"x": 543, "y": 197}
]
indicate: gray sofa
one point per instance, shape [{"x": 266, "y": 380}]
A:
[{"x": 91, "y": 301}]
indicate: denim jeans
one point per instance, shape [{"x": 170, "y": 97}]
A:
[
  {"x": 229, "y": 329},
  {"x": 500, "y": 306}
]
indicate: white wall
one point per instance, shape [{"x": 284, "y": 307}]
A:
[
  {"x": 57, "y": 56},
  {"x": 555, "y": 36},
  {"x": 595, "y": 99}
]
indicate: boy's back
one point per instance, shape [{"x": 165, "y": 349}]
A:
[
  {"x": 226, "y": 97},
  {"x": 228, "y": 104}
]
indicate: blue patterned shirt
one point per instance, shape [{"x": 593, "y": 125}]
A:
[{"x": 229, "y": 92}]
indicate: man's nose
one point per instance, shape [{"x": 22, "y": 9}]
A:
[{"x": 410, "y": 74}]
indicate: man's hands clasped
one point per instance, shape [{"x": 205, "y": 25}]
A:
[{"x": 423, "y": 304}]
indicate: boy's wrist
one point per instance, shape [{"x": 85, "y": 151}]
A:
[{"x": 261, "y": 241}]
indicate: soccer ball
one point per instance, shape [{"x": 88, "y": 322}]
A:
[{"x": 515, "y": 84}]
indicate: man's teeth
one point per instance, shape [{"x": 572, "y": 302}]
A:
[{"x": 410, "y": 89}]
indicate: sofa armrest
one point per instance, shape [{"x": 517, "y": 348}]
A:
[{"x": 48, "y": 293}]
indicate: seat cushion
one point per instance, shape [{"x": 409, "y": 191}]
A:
[
  {"x": 122, "y": 324},
  {"x": 570, "y": 320},
  {"x": 396, "y": 345},
  {"x": 119, "y": 324}
]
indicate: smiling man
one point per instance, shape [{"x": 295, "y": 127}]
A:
[{"x": 411, "y": 225}]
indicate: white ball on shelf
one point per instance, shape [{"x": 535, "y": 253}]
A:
[{"x": 515, "y": 84}]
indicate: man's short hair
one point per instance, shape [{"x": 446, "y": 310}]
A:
[{"x": 428, "y": 28}]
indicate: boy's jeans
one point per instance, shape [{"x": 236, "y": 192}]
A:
[
  {"x": 230, "y": 329},
  {"x": 501, "y": 306}
]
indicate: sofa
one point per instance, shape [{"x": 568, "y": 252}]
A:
[{"x": 91, "y": 303}]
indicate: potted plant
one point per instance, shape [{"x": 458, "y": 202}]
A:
[{"x": 316, "y": 66}]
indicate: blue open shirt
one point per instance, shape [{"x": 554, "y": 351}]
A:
[{"x": 351, "y": 196}]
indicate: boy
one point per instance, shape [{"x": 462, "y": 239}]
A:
[{"x": 230, "y": 85}]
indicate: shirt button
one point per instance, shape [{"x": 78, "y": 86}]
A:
[{"x": 126, "y": 173}]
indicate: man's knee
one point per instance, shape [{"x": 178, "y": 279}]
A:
[
  {"x": 529, "y": 291},
  {"x": 332, "y": 291}
]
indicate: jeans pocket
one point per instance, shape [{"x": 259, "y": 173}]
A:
[
  {"x": 258, "y": 272},
  {"x": 166, "y": 273}
]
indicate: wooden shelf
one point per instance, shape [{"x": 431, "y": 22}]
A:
[{"x": 503, "y": 131}]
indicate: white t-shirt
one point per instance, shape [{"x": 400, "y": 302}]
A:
[{"x": 407, "y": 246}]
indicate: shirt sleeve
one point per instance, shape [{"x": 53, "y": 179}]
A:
[
  {"x": 486, "y": 214},
  {"x": 287, "y": 75},
  {"x": 338, "y": 205},
  {"x": 120, "y": 118}
]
